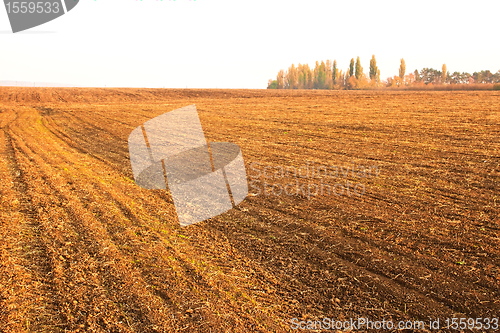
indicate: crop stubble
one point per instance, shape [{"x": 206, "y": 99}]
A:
[{"x": 84, "y": 249}]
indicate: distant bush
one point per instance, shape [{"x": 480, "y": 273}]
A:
[
  {"x": 496, "y": 86},
  {"x": 272, "y": 84}
]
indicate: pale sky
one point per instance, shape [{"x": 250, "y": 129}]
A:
[{"x": 243, "y": 44}]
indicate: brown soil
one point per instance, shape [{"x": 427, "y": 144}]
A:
[{"x": 83, "y": 249}]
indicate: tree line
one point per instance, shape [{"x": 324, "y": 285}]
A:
[{"x": 327, "y": 75}]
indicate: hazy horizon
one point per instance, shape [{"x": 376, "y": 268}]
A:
[{"x": 224, "y": 44}]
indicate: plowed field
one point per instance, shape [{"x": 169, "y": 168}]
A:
[{"x": 84, "y": 249}]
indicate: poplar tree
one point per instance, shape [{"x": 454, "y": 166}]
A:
[
  {"x": 300, "y": 76},
  {"x": 444, "y": 74},
  {"x": 340, "y": 79},
  {"x": 373, "y": 68},
  {"x": 319, "y": 75},
  {"x": 359, "y": 69},
  {"x": 402, "y": 69},
  {"x": 280, "y": 79},
  {"x": 292, "y": 77},
  {"x": 334, "y": 72},
  {"x": 417, "y": 75},
  {"x": 351, "y": 67},
  {"x": 310, "y": 79},
  {"x": 328, "y": 75}
]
